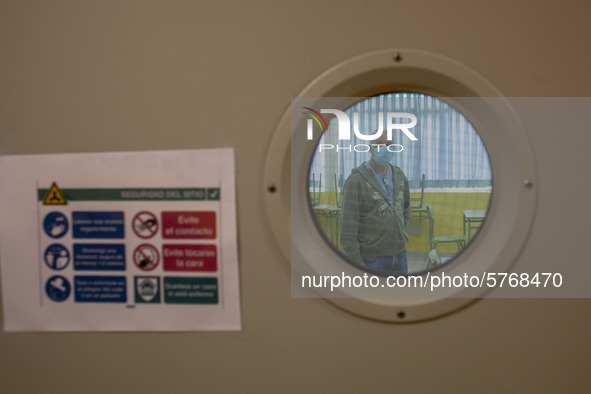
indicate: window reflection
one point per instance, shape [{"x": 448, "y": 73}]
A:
[{"x": 398, "y": 205}]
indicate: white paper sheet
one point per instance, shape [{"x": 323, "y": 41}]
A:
[{"x": 122, "y": 241}]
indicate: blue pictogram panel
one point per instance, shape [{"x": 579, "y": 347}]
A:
[
  {"x": 99, "y": 257},
  {"x": 98, "y": 225},
  {"x": 100, "y": 289}
]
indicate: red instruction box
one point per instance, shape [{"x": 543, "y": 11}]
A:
[
  {"x": 189, "y": 225},
  {"x": 178, "y": 257}
]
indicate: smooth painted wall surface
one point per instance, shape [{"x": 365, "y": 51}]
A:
[{"x": 92, "y": 76}]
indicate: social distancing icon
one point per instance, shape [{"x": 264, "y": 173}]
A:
[{"x": 56, "y": 257}]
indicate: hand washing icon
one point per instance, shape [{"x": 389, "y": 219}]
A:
[{"x": 55, "y": 224}]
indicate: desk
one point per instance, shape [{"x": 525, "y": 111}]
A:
[
  {"x": 330, "y": 213},
  {"x": 472, "y": 220}
]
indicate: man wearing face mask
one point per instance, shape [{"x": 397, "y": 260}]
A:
[{"x": 375, "y": 212}]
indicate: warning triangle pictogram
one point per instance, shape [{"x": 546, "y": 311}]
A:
[{"x": 54, "y": 196}]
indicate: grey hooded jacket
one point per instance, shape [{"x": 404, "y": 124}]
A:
[{"x": 370, "y": 225}]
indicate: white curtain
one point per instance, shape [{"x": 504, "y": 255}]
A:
[{"x": 448, "y": 150}]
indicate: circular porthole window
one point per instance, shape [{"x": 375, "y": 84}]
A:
[
  {"x": 457, "y": 186},
  {"x": 405, "y": 205}
]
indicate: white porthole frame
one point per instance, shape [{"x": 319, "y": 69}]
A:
[{"x": 514, "y": 195}]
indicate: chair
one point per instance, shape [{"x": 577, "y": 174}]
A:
[
  {"x": 316, "y": 195},
  {"x": 337, "y": 191},
  {"x": 416, "y": 203},
  {"x": 459, "y": 240}
]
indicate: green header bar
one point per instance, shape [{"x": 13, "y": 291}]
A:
[{"x": 196, "y": 194}]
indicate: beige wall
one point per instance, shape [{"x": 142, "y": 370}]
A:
[{"x": 80, "y": 76}]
